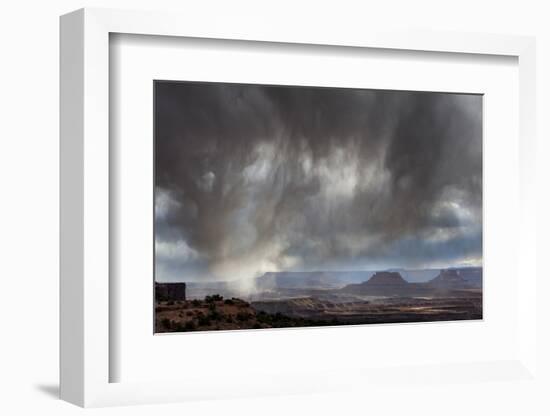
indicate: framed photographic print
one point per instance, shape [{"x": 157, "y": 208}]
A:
[
  {"x": 306, "y": 213},
  {"x": 291, "y": 206}
]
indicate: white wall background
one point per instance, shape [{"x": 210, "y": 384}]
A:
[{"x": 29, "y": 205}]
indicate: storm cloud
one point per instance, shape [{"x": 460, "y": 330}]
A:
[{"x": 251, "y": 178}]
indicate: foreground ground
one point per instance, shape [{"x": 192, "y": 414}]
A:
[{"x": 216, "y": 313}]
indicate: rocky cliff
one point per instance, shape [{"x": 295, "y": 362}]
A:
[
  {"x": 169, "y": 291},
  {"x": 449, "y": 279}
]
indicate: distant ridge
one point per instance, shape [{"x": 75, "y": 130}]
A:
[
  {"x": 393, "y": 284},
  {"x": 311, "y": 280},
  {"x": 413, "y": 282}
]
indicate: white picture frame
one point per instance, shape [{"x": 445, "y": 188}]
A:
[{"x": 85, "y": 355}]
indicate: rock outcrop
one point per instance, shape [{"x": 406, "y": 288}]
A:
[
  {"x": 383, "y": 284},
  {"x": 169, "y": 291},
  {"x": 448, "y": 282},
  {"x": 386, "y": 279},
  {"x": 472, "y": 275},
  {"x": 449, "y": 279}
]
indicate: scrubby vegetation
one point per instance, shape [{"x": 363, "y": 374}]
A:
[
  {"x": 215, "y": 312},
  {"x": 213, "y": 298}
]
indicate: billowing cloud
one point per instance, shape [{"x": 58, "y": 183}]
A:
[{"x": 252, "y": 179}]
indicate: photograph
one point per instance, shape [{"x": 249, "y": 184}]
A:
[{"x": 282, "y": 206}]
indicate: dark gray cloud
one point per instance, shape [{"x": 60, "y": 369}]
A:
[{"x": 264, "y": 178}]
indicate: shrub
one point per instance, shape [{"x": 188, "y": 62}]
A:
[
  {"x": 213, "y": 298},
  {"x": 204, "y": 321},
  {"x": 166, "y": 323},
  {"x": 196, "y": 303},
  {"x": 243, "y": 316},
  {"x": 190, "y": 326},
  {"x": 264, "y": 318},
  {"x": 229, "y": 302},
  {"x": 214, "y": 315}
]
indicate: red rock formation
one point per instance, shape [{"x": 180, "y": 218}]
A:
[{"x": 387, "y": 279}]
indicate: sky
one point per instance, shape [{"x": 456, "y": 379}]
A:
[{"x": 252, "y": 179}]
